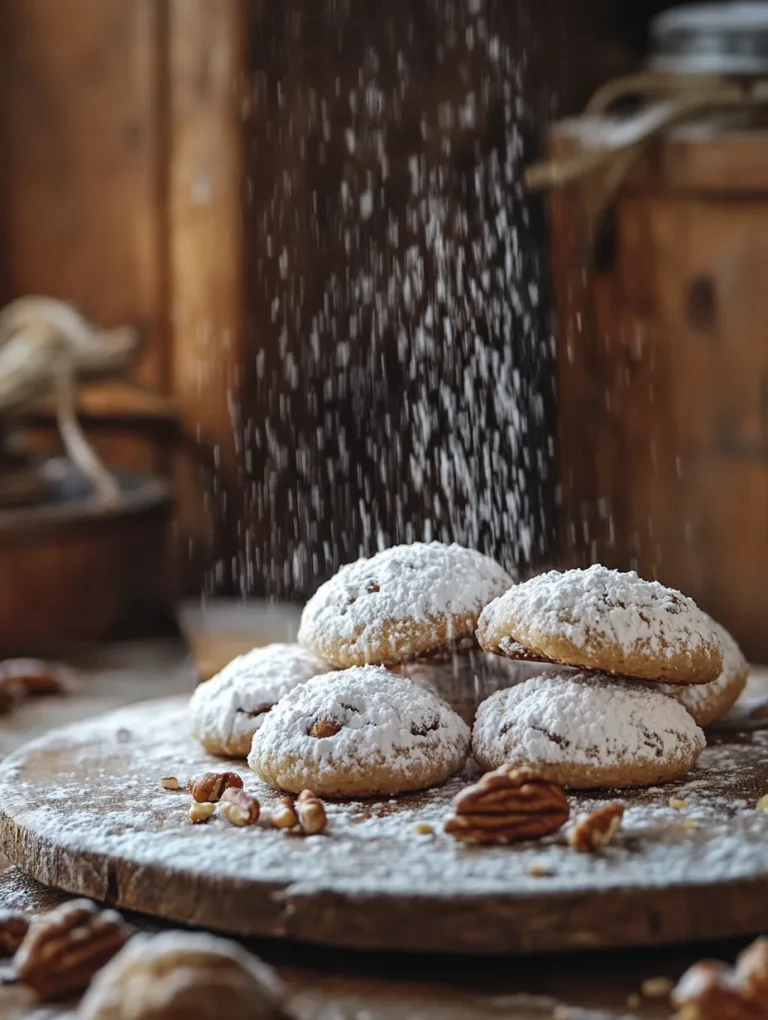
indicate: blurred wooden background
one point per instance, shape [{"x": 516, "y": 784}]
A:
[
  {"x": 142, "y": 145},
  {"x": 121, "y": 184}
]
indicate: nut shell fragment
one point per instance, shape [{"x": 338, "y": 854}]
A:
[{"x": 311, "y": 812}]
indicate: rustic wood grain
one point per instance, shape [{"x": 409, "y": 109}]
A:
[
  {"x": 206, "y": 193},
  {"x": 272, "y": 889}
]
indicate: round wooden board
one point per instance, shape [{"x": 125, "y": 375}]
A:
[{"x": 83, "y": 810}]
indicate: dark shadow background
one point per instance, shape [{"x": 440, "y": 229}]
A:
[{"x": 400, "y": 378}]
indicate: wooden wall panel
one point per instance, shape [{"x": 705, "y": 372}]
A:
[
  {"x": 82, "y": 203},
  {"x": 120, "y": 185},
  {"x": 206, "y": 47}
]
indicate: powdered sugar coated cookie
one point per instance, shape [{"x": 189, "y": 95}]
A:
[
  {"x": 226, "y": 711},
  {"x": 604, "y": 620},
  {"x": 406, "y": 602},
  {"x": 183, "y": 974},
  {"x": 587, "y": 730},
  {"x": 359, "y": 732},
  {"x": 709, "y": 702}
]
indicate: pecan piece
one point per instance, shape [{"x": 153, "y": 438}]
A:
[
  {"x": 324, "y": 728},
  {"x": 706, "y": 992},
  {"x": 13, "y": 929},
  {"x": 283, "y": 814},
  {"x": 311, "y": 812},
  {"x": 239, "y": 807},
  {"x": 65, "y": 948},
  {"x": 32, "y": 677},
  {"x": 508, "y": 805},
  {"x": 199, "y": 814},
  {"x": 597, "y": 829},
  {"x": 752, "y": 972},
  {"x": 210, "y": 785}
]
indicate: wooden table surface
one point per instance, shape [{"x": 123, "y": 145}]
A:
[{"x": 328, "y": 983}]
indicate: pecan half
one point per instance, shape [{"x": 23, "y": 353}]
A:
[
  {"x": 65, "y": 948},
  {"x": 239, "y": 807},
  {"x": 210, "y": 785},
  {"x": 508, "y": 805},
  {"x": 13, "y": 929},
  {"x": 597, "y": 829}
]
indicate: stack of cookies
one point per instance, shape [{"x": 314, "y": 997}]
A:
[
  {"x": 396, "y": 654},
  {"x": 637, "y": 668}
]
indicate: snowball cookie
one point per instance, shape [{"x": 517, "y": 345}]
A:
[
  {"x": 587, "y": 730},
  {"x": 357, "y": 733},
  {"x": 404, "y": 603},
  {"x": 604, "y": 620},
  {"x": 183, "y": 976},
  {"x": 709, "y": 702},
  {"x": 226, "y": 711}
]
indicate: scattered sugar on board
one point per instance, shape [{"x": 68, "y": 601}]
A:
[{"x": 371, "y": 846}]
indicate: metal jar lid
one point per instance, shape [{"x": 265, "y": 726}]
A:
[{"x": 727, "y": 38}]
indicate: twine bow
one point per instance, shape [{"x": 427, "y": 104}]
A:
[{"x": 666, "y": 99}]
